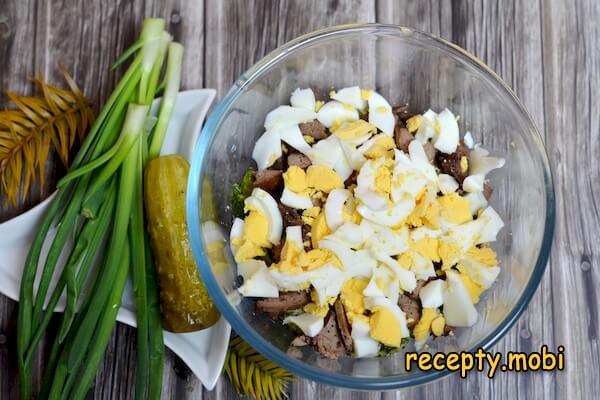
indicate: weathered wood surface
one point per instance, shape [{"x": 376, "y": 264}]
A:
[{"x": 548, "y": 51}]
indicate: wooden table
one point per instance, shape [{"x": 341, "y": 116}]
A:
[{"x": 548, "y": 51}]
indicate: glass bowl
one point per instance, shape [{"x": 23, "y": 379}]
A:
[{"x": 405, "y": 66}]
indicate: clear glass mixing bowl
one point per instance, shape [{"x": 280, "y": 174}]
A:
[{"x": 404, "y": 66}]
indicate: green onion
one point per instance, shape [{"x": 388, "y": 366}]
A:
[{"x": 99, "y": 205}]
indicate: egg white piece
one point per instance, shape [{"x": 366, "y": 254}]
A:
[
  {"x": 391, "y": 216},
  {"x": 287, "y": 281},
  {"x": 286, "y": 115},
  {"x": 329, "y": 152},
  {"x": 310, "y": 324},
  {"x": 266, "y": 204},
  {"x": 386, "y": 240},
  {"x": 422, "y": 266},
  {"x": 237, "y": 229},
  {"x": 351, "y": 95},
  {"x": 336, "y": 112},
  {"x": 260, "y": 284},
  {"x": 468, "y": 140},
  {"x": 406, "y": 278},
  {"x": 432, "y": 294},
  {"x": 458, "y": 309},
  {"x": 380, "y": 113},
  {"x": 303, "y": 98},
  {"x": 365, "y": 186},
  {"x": 409, "y": 183},
  {"x": 295, "y": 200},
  {"x": 293, "y": 234},
  {"x": 493, "y": 225},
  {"x": 246, "y": 269},
  {"x": 363, "y": 265},
  {"x": 267, "y": 150},
  {"x": 363, "y": 344},
  {"x": 391, "y": 291},
  {"x": 481, "y": 274},
  {"x": 292, "y": 135},
  {"x": 420, "y": 162},
  {"x": 423, "y": 232},
  {"x": 476, "y": 201},
  {"x": 350, "y": 234},
  {"x": 447, "y": 183},
  {"x": 427, "y": 128},
  {"x": 334, "y": 207},
  {"x": 474, "y": 183},
  {"x": 372, "y": 302},
  {"x": 481, "y": 163},
  {"x": 446, "y": 138},
  {"x": 327, "y": 282}
]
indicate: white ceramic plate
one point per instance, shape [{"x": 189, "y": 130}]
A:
[{"x": 204, "y": 352}]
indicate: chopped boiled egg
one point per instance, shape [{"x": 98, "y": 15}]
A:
[
  {"x": 432, "y": 294},
  {"x": 392, "y": 215},
  {"x": 480, "y": 164},
  {"x": 423, "y": 327},
  {"x": 493, "y": 225},
  {"x": 295, "y": 200},
  {"x": 388, "y": 322},
  {"x": 258, "y": 282},
  {"x": 476, "y": 200},
  {"x": 380, "y": 113},
  {"x": 355, "y": 132},
  {"x": 445, "y": 137},
  {"x": 286, "y": 115},
  {"x": 303, "y": 98},
  {"x": 334, "y": 113},
  {"x": 374, "y": 185},
  {"x": 310, "y": 324},
  {"x": 235, "y": 235},
  {"x": 424, "y": 125},
  {"x": 351, "y": 95},
  {"x": 469, "y": 141},
  {"x": 458, "y": 308},
  {"x": 292, "y": 135},
  {"x": 334, "y": 207},
  {"x": 383, "y": 283},
  {"x": 328, "y": 152},
  {"x": 323, "y": 178},
  {"x": 267, "y": 149},
  {"x": 363, "y": 344},
  {"x": 406, "y": 278},
  {"x": 454, "y": 208},
  {"x": 447, "y": 183},
  {"x": 265, "y": 204},
  {"x": 385, "y": 240}
]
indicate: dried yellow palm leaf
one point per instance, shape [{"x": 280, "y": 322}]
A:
[
  {"x": 53, "y": 121},
  {"x": 254, "y": 375}
]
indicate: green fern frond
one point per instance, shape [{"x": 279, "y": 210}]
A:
[{"x": 254, "y": 375}]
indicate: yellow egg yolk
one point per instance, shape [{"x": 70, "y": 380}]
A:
[
  {"x": 319, "y": 230},
  {"x": 383, "y": 147},
  {"x": 308, "y": 139},
  {"x": 421, "y": 330},
  {"x": 310, "y": 214},
  {"x": 323, "y": 178},
  {"x": 295, "y": 179},
  {"x": 385, "y": 328},
  {"x": 355, "y": 130},
  {"x": 365, "y": 94},
  {"x": 455, "y": 209},
  {"x": 474, "y": 289},
  {"x": 428, "y": 247},
  {"x": 437, "y": 326},
  {"x": 464, "y": 164},
  {"x": 254, "y": 237},
  {"x": 256, "y": 229},
  {"x": 425, "y": 213},
  {"x": 317, "y": 258},
  {"x": 405, "y": 260},
  {"x": 383, "y": 180},
  {"x": 449, "y": 252},
  {"x": 290, "y": 254},
  {"x": 318, "y": 105},
  {"x": 214, "y": 252},
  {"x": 352, "y": 296},
  {"x": 316, "y": 309},
  {"x": 413, "y": 123},
  {"x": 484, "y": 255}
]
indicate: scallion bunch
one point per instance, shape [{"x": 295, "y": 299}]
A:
[{"x": 95, "y": 234}]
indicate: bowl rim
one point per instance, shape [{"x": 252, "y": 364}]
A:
[{"x": 194, "y": 193}]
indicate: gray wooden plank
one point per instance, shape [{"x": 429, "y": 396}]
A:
[{"x": 572, "y": 80}]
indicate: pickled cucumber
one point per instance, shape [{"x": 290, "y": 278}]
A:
[{"x": 185, "y": 303}]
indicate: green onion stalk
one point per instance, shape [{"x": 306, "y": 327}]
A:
[{"x": 97, "y": 219}]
